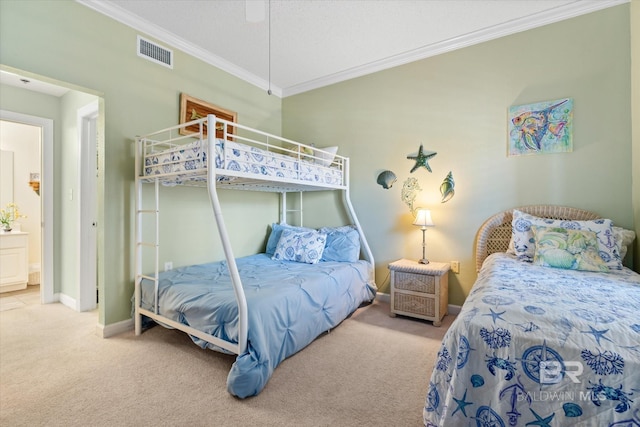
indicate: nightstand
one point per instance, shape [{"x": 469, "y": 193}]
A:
[{"x": 420, "y": 290}]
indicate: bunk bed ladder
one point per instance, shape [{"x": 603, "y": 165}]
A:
[{"x": 141, "y": 244}]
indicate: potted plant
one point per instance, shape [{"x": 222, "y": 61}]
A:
[{"x": 8, "y": 215}]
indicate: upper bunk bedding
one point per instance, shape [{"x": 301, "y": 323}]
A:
[
  {"x": 535, "y": 345},
  {"x": 184, "y": 162},
  {"x": 245, "y": 159},
  {"x": 289, "y": 305}
]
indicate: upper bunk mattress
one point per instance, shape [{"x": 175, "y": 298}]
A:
[
  {"x": 184, "y": 162},
  {"x": 289, "y": 305}
]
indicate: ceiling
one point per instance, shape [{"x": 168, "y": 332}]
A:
[
  {"x": 25, "y": 82},
  {"x": 307, "y": 44},
  {"x": 314, "y": 43}
]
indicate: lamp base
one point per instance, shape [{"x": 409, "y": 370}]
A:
[{"x": 423, "y": 261}]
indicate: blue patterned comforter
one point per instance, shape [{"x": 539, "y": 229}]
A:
[
  {"x": 538, "y": 346},
  {"x": 289, "y": 305}
]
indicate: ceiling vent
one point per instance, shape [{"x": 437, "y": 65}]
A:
[{"x": 154, "y": 52}]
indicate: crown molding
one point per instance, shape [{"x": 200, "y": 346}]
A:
[
  {"x": 572, "y": 10},
  {"x": 160, "y": 34}
]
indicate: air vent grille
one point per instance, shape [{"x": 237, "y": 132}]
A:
[{"x": 154, "y": 52}]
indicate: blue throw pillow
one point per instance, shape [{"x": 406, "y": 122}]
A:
[{"x": 343, "y": 244}]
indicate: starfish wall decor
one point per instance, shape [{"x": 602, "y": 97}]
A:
[{"x": 422, "y": 159}]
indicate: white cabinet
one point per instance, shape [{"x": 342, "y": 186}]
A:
[{"x": 14, "y": 260}]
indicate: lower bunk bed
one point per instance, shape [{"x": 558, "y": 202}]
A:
[
  {"x": 289, "y": 305},
  {"x": 263, "y": 307},
  {"x": 541, "y": 345}
]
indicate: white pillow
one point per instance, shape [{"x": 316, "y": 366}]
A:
[
  {"x": 524, "y": 243},
  {"x": 325, "y": 159},
  {"x": 623, "y": 239},
  {"x": 300, "y": 246}
]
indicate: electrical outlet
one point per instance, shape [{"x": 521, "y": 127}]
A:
[
  {"x": 168, "y": 266},
  {"x": 455, "y": 266}
]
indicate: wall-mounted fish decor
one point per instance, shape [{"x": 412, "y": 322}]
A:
[
  {"x": 422, "y": 159},
  {"x": 543, "y": 127},
  {"x": 447, "y": 188},
  {"x": 533, "y": 125},
  {"x": 386, "y": 179}
]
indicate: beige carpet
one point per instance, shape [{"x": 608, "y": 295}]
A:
[{"x": 372, "y": 370}]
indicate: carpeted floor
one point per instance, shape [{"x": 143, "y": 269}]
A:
[{"x": 372, "y": 370}]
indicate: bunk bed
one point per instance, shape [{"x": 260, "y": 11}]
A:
[
  {"x": 541, "y": 345},
  {"x": 263, "y": 307}
]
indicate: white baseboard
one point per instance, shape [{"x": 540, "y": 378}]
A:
[
  {"x": 66, "y": 300},
  {"x": 383, "y": 297},
  {"x": 128, "y": 325},
  {"x": 114, "y": 328}
]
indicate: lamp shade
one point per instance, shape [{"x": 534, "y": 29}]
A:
[{"x": 423, "y": 218}]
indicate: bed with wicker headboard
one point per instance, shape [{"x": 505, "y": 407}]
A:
[
  {"x": 495, "y": 233},
  {"x": 540, "y": 345}
]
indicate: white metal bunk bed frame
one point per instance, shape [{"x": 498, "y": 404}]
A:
[{"x": 240, "y": 180}]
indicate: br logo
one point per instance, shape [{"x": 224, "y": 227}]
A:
[{"x": 552, "y": 371}]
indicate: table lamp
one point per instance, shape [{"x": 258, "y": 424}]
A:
[{"x": 423, "y": 220}]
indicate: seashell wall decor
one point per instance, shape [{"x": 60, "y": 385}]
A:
[
  {"x": 386, "y": 179},
  {"x": 447, "y": 188}
]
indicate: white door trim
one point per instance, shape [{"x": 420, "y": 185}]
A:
[
  {"x": 46, "y": 197},
  {"x": 87, "y": 224}
]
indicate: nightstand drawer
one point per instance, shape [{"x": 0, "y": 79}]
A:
[
  {"x": 419, "y": 290},
  {"x": 414, "y": 282},
  {"x": 412, "y": 304}
]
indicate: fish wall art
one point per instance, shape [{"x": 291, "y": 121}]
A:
[{"x": 544, "y": 127}]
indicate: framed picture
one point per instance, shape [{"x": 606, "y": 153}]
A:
[
  {"x": 544, "y": 127},
  {"x": 193, "y": 108}
]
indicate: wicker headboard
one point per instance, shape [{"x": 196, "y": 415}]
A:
[{"x": 494, "y": 235}]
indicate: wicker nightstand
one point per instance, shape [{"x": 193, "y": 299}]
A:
[{"x": 420, "y": 290}]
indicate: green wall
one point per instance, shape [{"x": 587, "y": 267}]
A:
[
  {"x": 456, "y": 104},
  {"x": 73, "y": 44}
]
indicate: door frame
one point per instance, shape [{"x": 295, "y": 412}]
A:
[
  {"x": 46, "y": 197},
  {"x": 87, "y": 207}
]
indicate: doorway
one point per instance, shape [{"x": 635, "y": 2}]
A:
[
  {"x": 45, "y": 127},
  {"x": 82, "y": 296},
  {"x": 78, "y": 135}
]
